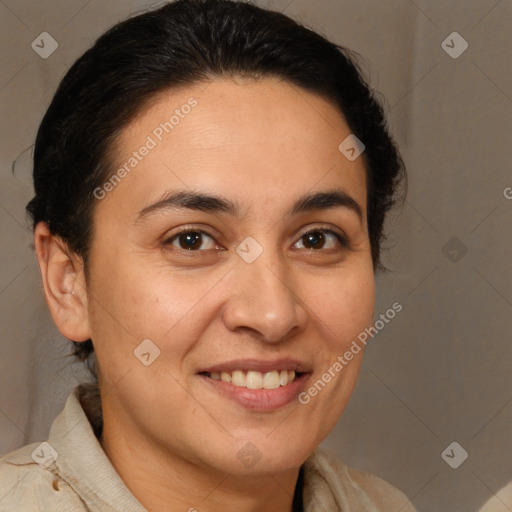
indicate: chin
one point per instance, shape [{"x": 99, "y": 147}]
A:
[{"x": 260, "y": 455}]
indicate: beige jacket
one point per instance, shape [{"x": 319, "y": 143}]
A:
[{"x": 71, "y": 473}]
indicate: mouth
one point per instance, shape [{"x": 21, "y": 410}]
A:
[
  {"x": 255, "y": 380},
  {"x": 257, "y": 386}
]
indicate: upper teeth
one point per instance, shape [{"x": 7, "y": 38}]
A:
[{"x": 256, "y": 380}]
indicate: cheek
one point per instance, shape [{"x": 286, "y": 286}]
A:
[
  {"x": 133, "y": 301},
  {"x": 345, "y": 306}
]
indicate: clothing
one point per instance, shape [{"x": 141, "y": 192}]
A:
[
  {"x": 502, "y": 500},
  {"x": 77, "y": 476}
]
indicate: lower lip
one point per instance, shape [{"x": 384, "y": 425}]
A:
[{"x": 259, "y": 399}]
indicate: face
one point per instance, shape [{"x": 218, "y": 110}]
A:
[{"x": 229, "y": 255}]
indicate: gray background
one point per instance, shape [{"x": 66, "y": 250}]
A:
[{"x": 440, "y": 371}]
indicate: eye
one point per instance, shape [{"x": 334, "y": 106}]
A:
[
  {"x": 198, "y": 240},
  {"x": 192, "y": 240},
  {"x": 322, "y": 239}
]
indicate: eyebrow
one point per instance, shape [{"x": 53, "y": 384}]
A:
[{"x": 184, "y": 199}]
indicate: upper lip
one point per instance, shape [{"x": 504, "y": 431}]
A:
[{"x": 258, "y": 365}]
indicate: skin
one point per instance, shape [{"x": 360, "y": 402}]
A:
[{"x": 173, "y": 440}]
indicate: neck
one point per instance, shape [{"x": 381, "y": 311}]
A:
[{"x": 165, "y": 481}]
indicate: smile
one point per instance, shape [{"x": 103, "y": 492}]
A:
[{"x": 254, "y": 379}]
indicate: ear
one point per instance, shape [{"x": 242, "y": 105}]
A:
[{"x": 64, "y": 284}]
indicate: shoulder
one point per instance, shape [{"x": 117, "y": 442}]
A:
[
  {"x": 502, "y": 500},
  {"x": 329, "y": 480},
  {"x": 27, "y": 485}
]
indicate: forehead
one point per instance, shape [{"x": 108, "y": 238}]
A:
[{"x": 262, "y": 142}]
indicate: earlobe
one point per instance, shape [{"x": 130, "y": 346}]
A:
[{"x": 64, "y": 284}]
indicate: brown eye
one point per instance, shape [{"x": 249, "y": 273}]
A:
[
  {"x": 322, "y": 239},
  {"x": 191, "y": 241}
]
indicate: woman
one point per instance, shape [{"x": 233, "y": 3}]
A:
[{"x": 211, "y": 183}]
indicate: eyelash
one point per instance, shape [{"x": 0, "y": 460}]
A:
[{"x": 343, "y": 240}]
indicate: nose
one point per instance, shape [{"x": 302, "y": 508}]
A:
[{"x": 264, "y": 300}]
